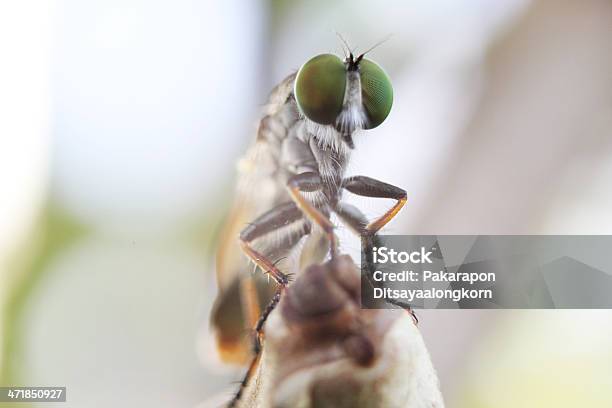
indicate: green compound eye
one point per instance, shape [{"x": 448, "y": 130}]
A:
[
  {"x": 319, "y": 88},
  {"x": 376, "y": 92}
]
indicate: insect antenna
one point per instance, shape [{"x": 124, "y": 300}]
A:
[
  {"x": 384, "y": 40},
  {"x": 346, "y": 49}
]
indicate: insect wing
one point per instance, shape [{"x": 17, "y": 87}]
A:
[{"x": 239, "y": 291}]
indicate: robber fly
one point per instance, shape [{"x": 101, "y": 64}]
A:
[{"x": 290, "y": 182}]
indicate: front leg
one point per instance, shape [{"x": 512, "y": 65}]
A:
[
  {"x": 310, "y": 182},
  {"x": 369, "y": 187},
  {"x": 358, "y": 223}
]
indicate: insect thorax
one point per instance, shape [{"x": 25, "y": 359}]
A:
[{"x": 294, "y": 144}]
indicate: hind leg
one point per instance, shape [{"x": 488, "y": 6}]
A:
[{"x": 268, "y": 223}]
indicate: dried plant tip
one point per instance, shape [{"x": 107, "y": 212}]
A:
[
  {"x": 322, "y": 290},
  {"x": 360, "y": 348},
  {"x": 313, "y": 295},
  {"x": 322, "y": 350}
]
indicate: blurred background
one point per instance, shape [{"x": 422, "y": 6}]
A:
[{"x": 121, "y": 123}]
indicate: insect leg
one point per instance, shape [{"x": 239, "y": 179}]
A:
[
  {"x": 256, "y": 319},
  {"x": 257, "y": 345},
  {"x": 262, "y": 319},
  {"x": 357, "y": 222},
  {"x": 369, "y": 187},
  {"x": 249, "y": 295},
  {"x": 245, "y": 380},
  {"x": 353, "y": 218},
  {"x": 309, "y": 182},
  {"x": 266, "y": 223}
]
